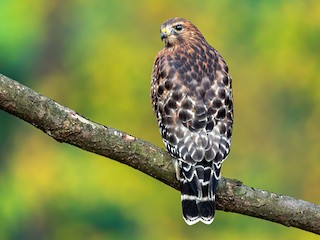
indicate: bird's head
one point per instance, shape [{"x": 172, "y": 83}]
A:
[{"x": 178, "y": 31}]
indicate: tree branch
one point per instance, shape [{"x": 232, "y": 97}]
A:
[{"x": 65, "y": 125}]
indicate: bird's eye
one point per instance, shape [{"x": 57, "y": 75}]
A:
[{"x": 178, "y": 27}]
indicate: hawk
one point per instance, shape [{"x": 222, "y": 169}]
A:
[{"x": 191, "y": 97}]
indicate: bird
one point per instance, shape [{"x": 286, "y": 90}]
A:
[{"x": 191, "y": 96}]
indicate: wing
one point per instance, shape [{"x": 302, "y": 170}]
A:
[
  {"x": 193, "y": 105},
  {"x": 164, "y": 101}
]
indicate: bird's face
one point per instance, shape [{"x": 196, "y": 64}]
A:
[
  {"x": 170, "y": 34},
  {"x": 176, "y": 31}
]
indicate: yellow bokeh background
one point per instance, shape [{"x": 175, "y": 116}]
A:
[{"x": 96, "y": 57}]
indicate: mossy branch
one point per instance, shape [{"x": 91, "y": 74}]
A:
[{"x": 65, "y": 125}]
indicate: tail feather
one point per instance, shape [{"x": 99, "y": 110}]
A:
[
  {"x": 206, "y": 211},
  {"x": 198, "y": 192}
]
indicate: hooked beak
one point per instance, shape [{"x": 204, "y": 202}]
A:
[{"x": 164, "y": 33}]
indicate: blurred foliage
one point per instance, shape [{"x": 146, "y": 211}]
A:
[{"x": 96, "y": 57}]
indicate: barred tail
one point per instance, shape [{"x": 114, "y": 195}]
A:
[{"x": 198, "y": 187}]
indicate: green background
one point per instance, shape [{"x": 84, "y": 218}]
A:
[{"x": 96, "y": 58}]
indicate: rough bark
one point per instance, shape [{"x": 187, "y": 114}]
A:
[{"x": 65, "y": 125}]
